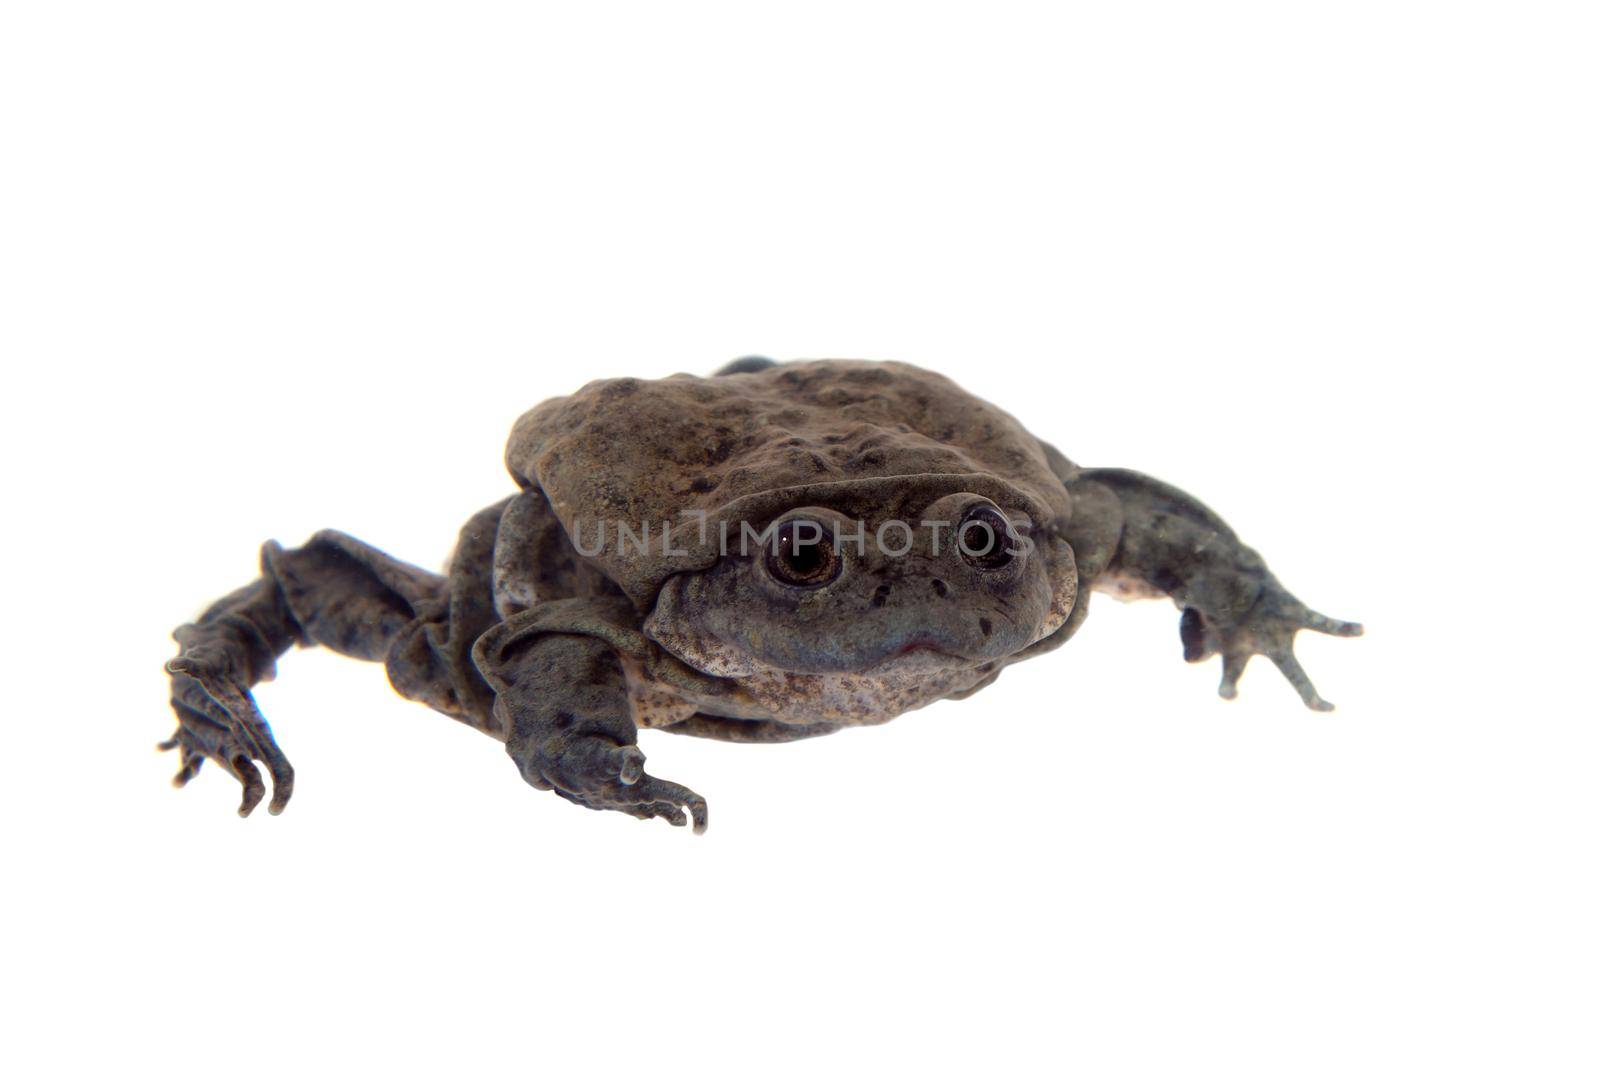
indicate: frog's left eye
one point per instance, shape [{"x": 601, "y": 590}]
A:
[
  {"x": 985, "y": 538},
  {"x": 802, "y": 554}
]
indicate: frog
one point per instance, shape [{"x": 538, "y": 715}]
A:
[{"x": 770, "y": 553}]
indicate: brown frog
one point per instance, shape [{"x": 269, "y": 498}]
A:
[{"x": 771, "y": 553}]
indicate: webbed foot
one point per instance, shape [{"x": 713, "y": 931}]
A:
[{"x": 1268, "y": 629}]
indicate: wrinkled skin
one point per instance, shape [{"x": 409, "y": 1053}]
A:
[{"x": 808, "y": 546}]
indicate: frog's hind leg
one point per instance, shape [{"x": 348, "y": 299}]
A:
[
  {"x": 1135, "y": 537},
  {"x": 342, "y": 594}
]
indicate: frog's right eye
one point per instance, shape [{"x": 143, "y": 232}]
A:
[
  {"x": 985, "y": 538},
  {"x": 802, "y": 554}
]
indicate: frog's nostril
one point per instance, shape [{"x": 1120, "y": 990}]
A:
[
  {"x": 881, "y": 596},
  {"x": 987, "y": 626},
  {"x": 940, "y": 588}
]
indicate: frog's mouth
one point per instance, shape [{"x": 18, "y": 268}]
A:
[
  {"x": 922, "y": 654},
  {"x": 924, "y": 648}
]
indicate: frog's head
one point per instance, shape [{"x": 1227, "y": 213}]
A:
[{"x": 861, "y": 582}]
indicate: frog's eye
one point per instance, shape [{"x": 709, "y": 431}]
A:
[
  {"x": 985, "y": 538},
  {"x": 802, "y": 554}
]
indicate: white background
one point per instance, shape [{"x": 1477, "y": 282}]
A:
[{"x": 1330, "y": 267}]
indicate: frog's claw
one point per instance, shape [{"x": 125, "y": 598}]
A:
[{"x": 1267, "y": 629}]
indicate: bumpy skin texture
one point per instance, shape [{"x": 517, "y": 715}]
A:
[{"x": 654, "y": 570}]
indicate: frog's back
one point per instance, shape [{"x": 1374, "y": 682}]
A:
[{"x": 647, "y": 452}]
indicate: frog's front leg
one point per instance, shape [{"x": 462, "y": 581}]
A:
[
  {"x": 561, "y": 699},
  {"x": 1140, "y": 537},
  {"x": 344, "y": 595}
]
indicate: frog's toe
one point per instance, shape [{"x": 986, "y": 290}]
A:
[
  {"x": 190, "y": 760},
  {"x": 1268, "y": 630},
  {"x": 1233, "y": 665},
  {"x": 1314, "y": 620},
  {"x": 1285, "y": 661},
  {"x": 677, "y": 798},
  {"x": 199, "y": 740},
  {"x": 1234, "y": 662},
  {"x": 656, "y": 798},
  {"x": 598, "y": 773},
  {"x": 632, "y": 768},
  {"x": 660, "y": 809}
]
